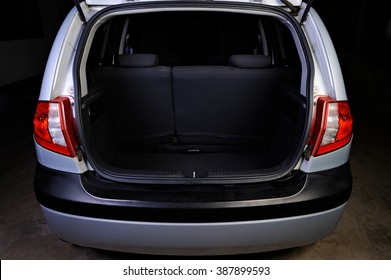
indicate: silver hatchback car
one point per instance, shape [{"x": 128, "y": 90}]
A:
[{"x": 193, "y": 127}]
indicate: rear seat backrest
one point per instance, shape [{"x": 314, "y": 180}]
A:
[
  {"x": 139, "y": 99},
  {"x": 249, "y": 61},
  {"x": 140, "y": 60},
  {"x": 220, "y": 104}
]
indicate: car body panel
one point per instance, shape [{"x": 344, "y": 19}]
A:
[
  {"x": 327, "y": 161},
  {"x": 48, "y": 91},
  {"x": 59, "y": 162},
  {"x": 326, "y": 56}
]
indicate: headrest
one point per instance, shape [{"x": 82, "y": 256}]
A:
[
  {"x": 139, "y": 60},
  {"x": 250, "y": 61}
]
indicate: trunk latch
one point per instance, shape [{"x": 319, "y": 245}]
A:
[{"x": 195, "y": 174}]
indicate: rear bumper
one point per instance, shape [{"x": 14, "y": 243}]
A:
[
  {"x": 86, "y": 210},
  {"x": 193, "y": 238}
]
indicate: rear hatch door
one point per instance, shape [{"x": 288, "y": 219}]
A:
[{"x": 296, "y": 3}]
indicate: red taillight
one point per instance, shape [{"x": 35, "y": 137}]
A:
[
  {"x": 333, "y": 126},
  {"x": 41, "y": 122},
  {"x": 53, "y": 126}
]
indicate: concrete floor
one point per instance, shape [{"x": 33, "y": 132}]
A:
[{"x": 363, "y": 233}]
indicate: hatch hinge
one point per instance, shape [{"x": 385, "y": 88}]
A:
[
  {"x": 79, "y": 153},
  {"x": 306, "y": 12},
  {"x": 294, "y": 10},
  {"x": 80, "y": 11},
  {"x": 308, "y": 152}
]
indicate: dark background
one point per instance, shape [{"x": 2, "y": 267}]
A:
[
  {"x": 361, "y": 32},
  {"x": 20, "y": 22}
]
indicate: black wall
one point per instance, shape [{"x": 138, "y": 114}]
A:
[
  {"x": 361, "y": 28},
  {"x": 361, "y": 33}
]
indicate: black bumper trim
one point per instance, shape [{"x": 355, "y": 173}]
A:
[{"x": 66, "y": 192}]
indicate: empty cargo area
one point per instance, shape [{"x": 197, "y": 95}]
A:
[{"x": 194, "y": 94}]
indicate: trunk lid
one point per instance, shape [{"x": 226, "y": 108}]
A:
[{"x": 296, "y": 3}]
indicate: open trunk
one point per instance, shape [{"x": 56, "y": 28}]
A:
[{"x": 194, "y": 94}]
